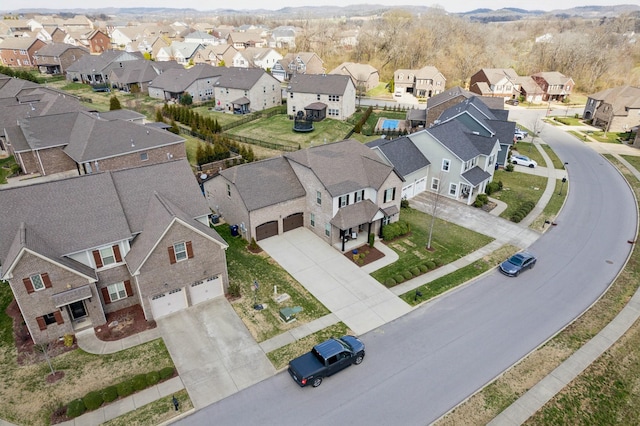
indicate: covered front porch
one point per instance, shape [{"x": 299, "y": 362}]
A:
[
  {"x": 354, "y": 223},
  {"x": 475, "y": 183},
  {"x": 77, "y": 303}
]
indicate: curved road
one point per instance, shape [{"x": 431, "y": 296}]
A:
[{"x": 420, "y": 366}]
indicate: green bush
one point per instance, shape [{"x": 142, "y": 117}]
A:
[
  {"x": 399, "y": 278},
  {"x": 404, "y": 203},
  {"x": 439, "y": 262},
  {"x": 415, "y": 271},
  {"x": 509, "y": 167},
  {"x": 166, "y": 372},
  {"x": 430, "y": 264},
  {"x": 109, "y": 394},
  {"x": 483, "y": 198},
  {"x": 124, "y": 388},
  {"x": 516, "y": 218},
  {"x": 423, "y": 268},
  {"x": 153, "y": 378},
  {"x": 92, "y": 400},
  {"x": 395, "y": 229},
  {"x": 139, "y": 382},
  {"x": 390, "y": 282},
  {"x": 493, "y": 187},
  {"x": 407, "y": 275},
  {"x": 372, "y": 239},
  {"x": 478, "y": 203},
  {"x": 76, "y": 408},
  {"x": 234, "y": 290}
]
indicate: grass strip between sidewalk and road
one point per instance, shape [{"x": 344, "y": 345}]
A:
[{"x": 154, "y": 413}]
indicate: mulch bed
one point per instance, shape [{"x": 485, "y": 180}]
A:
[
  {"x": 371, "y": 254},
  {"x": 124, "y": 323}
]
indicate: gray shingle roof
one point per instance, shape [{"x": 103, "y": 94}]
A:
[
  {"x": 355, "y": 214},
  {"x": 88, "y": 138},
  {"x": 57, "y": 49},
  {"x": 454, "y": 136},
  {"x": 178, "y": 80},
  {"x": 344, "y": 166},
  {"x": 239, "y": 78},
  {"x": 98, "y": 63},
  {"x": 475, "y": 176},
  {"x": 265, "y": 183},
  {"x": 402, "y": 153},
  {"x": 324, "y": 84}
]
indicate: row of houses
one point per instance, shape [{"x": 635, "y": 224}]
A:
[{"x": 506, "y": 83}]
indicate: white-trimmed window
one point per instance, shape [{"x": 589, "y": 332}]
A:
[
  {"x": 343, "y": 201},
  {"x": 37, "y": 282},
  {"x": 435, "y": 184},
  {"x": 453, "y": 189},
  {"x": 327, "y": 229},
  {"x": 358, "y": 195},
  {"x": 446, "y": 165},
  {"x": 180, "y": 251},
  {"x": 313, "y": 219},
  {"x": 318, "y": 197},
  {"x": 389, "y": 195},
  {"x": 117, "y": 291},
  {"x": 108, "y": 256},
  {"x": 228, "y": 190},
  {"x": 386, "y": 220}
]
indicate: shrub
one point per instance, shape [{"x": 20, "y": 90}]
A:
[
  {"x": 390, "y": 282},
  {"x": 109, "y": 394},
  {"x": 484, "y": 198},
  {"x": 92, "y": 400},
  {"x": 166, "y": 372},
  {"x": 68, "y": 340},
  {"x": 509, "y": 167},
  {"x": 478, "y": 203},
  {"x": 516, "y": 218},
  {"x": 423, "y": 268},
  {"x": 399, "y": 278},
  {"x": 372, "y": 240},
  {"x": 253, "y": 245},
  {"x": 407, "y": 275},
  {"x": 153, "y": 378},
  {"x": 395, "y": 229},
  {"x": 234, "y": 290},
  {"x": 76, "y": 408},
  {"x": 415, "y": 271},
  {"x": 124, "y": 388},
  {"x": 492, "y": 187},
  {"x": 404, "y": 203},
  {"x": 139, "y": 382},
  {"x": 430, "y": 264},
  {"x": 439, "y": 262}
]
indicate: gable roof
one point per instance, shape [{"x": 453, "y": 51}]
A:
[
  {"x": 178, "y": 80},
  {"x": 456, "y": 138},
  {"x": 98, "y": 63},
  {"x": 344, "y": 166},
  {"x": 84, "y": 212},
  {"x": 402, "y": 153},
  {"x": 326, "y": 84},
  {"x": 495, "y": 75},
  {"x": 19, "y": 43},
  {"x": 354, "y": 70},
  {"x": 621, "y": 98},
  {"x": 264, "y": 183},
  {"x": 57, "y": 49}
]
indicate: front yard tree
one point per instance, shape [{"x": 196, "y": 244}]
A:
[
  {"x": 186, "y": 99},
  {"x": 114, "y": 103},
  {"x": 435, "y": 196}
]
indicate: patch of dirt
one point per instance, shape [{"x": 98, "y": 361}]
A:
[
  {"x": 124, "y": 323},
  {"x": 489, "y": 206},
  {"x": 365, "y": 255},
  {"x": 28, "y": 353},
  {"x": 52, "y": 378}
]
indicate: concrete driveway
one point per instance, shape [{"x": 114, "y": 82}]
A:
[
  {"x": 357, "y": 299},
  {"x": 214, "y": 353}
]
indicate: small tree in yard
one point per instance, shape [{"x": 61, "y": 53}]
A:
[
  {"x": 186, "y": 99},
  {"x": 44, "y": 348},
  {"x": 114, "y": 103},
  {"x": 435, "y": 196}
]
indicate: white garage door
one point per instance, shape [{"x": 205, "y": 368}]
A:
[
  {"x": 421, "y": 185},
  {"x": 168, "y": 303},
  {"x": 205, "y": 290},
  {"x": 407, "y": 191}
]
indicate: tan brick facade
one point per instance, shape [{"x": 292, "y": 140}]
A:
[
  {"x": 158, "y": 275},
  {"x": 135, "y": 159}
]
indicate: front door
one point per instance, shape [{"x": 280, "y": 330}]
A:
[{"x": 77, "y": 310}]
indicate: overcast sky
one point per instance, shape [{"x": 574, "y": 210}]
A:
[{"x": 448, "y": 5}]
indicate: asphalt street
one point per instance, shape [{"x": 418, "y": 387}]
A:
[{"x": 423, "y": 364}]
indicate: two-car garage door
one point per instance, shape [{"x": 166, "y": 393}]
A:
[
  {"x": 175, "y": 300},
  {"x": 270, "y": 229}
]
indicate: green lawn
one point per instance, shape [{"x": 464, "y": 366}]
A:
[
  {"x": 449, "y": 241},
  {"x": 518, "y": 188},
  {"x": 244, "y": 267},
  {"x": 223, "y": 118},
  {"x": 6, "y": 166},
  {"x": 609, "y": 137},
  {"x": 380, "y": 91},
  {"x": 528, "y": 149},
  {"x": 557, "y": 162},
  {"x": 279, "y": 129}
]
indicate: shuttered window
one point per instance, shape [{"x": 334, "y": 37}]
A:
[
  {"x": 37, "y": 282},
  {"x": 180, "y": 251}
]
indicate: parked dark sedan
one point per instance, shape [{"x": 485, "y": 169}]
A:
[{"x": 517, "y": 263}]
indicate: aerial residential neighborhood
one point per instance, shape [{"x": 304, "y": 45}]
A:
[{"x": 193, "y": 204}]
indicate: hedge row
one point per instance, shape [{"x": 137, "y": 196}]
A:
[
  {"x": 413, "y": 272},
  {"x": 523, "y": 211},
  {"x": 94, "y": 399}
]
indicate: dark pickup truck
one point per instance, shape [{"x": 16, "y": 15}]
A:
[{"x": 325, "y": 359}]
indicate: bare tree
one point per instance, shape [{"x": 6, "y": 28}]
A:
[{"x": 435, "y": 196}]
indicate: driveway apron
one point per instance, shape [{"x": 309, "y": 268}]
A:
[
  {"x": 357, "y": 299},
  {"x": 213, "y": 351}
]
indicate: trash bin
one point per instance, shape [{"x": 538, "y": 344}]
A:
[
  {"x": 215, "y": 218},
  {"x": 234, "y": 230}
]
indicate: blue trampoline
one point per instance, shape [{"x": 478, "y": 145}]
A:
[{"x": 390, "y": 124}]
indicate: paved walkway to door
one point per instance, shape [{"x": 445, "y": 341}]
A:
[{"x": 353, "y": 296}]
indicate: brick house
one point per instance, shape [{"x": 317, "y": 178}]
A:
[
  {"x": 364, "y": 76},
  {"x": 297, "y": 63},
  {"x": 615, "y": 110},
  {"x": 88, "y": 143},
  {"x": 495, "y": 82},
  {"x": 339, "y": 191},
  {"x": 20, "y": 51},
  {"x": 55, "y": 58},
  {"x": 76, "y": 249},
  {"x": 555, "y": 85},
  {"x": 97, "y": 41},
  {"x": 336, "y": 94}
]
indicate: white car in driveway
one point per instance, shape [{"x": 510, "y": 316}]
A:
[{"x": 523, "y": 160}]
